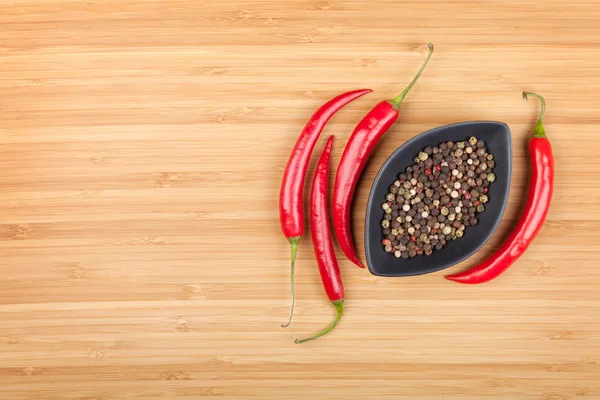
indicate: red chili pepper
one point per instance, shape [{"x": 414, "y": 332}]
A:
[
  {"x": 323, "y": 243},
  {"x": 291, "y": 210},
  {"x": 360, "y": 145},
  {"x": 534, "y": 214}
]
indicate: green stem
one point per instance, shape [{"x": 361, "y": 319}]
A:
[
  {"x": 398, "y": 100},
  {"x": 294, "y": 248},
  {"x": 539, "y": 131},
  {"x": 339, "y": 307}
]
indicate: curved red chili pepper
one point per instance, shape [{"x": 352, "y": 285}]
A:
[
  {"x": 323, "y": 243},
  {"x": 291, "y": 210},
  {"x": 534, "y": 214},
  {"x": 360, "y": 145}
]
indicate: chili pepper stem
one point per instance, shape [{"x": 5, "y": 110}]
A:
[
  {"x": 294, "y": 248},
  {"x": 339, "y": 308},
  {"x": 398, "y": 100},
  {"x": 539, "y": 131}
]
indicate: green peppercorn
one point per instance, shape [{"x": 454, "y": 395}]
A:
[
  {"x": 472, "y": 140},
  {"x": 423, "y": 156},
  {"x": 390, "y": 197},
  {"x": 446, "y": 230},
  {"x": 491, "y": 177},
  {"x": 460, "y": 145},
  {"x": 444, "y": 211},
  {"x": 388, "y": 210},
  {"x": 459, "y": 233},
  {"x": 483, "y": 198},
  {"x": 385, "y": 224},
  {"x": 480, "y": 208}
]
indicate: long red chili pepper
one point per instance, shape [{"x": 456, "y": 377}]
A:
[
  {"x": 291, "y": 210},
  {"x": 534, "y": 214},
  {"x": 323, "y": 243},
  {"x": 360, "y": 145}
]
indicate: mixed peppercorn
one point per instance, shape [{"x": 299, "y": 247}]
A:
[{"x": 437, "y": 197}]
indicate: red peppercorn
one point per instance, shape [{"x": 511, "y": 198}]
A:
[
  {"x": 485, "y": 190},
  {"x": 438, "y": 167},
  {"x": 428, "y": 171},
  {"x": 452, "y": 178},
  {"x": 477, "y": 202},
  {"x": 448, "y": 204},
  {"x": 386, "y": 242},
  {"x": 467, "y": 195},
  {"x": 413, "y": 239}
]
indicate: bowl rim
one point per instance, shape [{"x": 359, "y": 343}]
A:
[{"x": 388, "y": 160}]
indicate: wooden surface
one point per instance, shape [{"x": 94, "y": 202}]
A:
[{"x": 141, "y": 149}]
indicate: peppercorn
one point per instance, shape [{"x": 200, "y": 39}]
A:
[
  {"x": 491, "y": 177},
  {"x": 480, "y": 208},
  {"x": 439, "y": 179}
]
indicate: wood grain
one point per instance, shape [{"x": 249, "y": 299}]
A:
[{"x": 141, "y": 149}]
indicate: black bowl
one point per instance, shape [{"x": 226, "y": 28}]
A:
[{"x": 498, "y": 141}]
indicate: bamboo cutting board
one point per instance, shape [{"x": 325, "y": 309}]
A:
[{"x": 142, "y": 145}]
